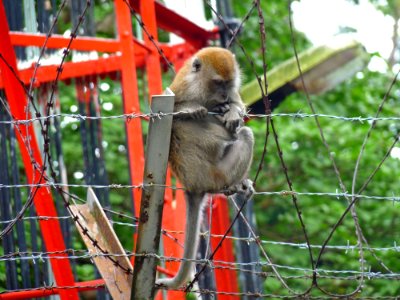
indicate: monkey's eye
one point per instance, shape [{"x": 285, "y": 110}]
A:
[
  {"x": 229, "y": 83},
  {"x": 218, "y": 82}
]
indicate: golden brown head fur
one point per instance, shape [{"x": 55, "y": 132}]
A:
[
  {"x": 193, "y": 82},
  {"x": 221, "y": 60}
]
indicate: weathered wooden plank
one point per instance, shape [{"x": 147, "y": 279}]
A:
[{"x": 93, "y": 218}]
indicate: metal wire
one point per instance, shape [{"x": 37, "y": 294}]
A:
[
  {"x": 84, "y": 254},
  {"x": 127, "y": 117}
]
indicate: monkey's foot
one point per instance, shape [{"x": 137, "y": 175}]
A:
[
  {"x": 245, "y": 188},
  {"x": 246, "y": 134}
]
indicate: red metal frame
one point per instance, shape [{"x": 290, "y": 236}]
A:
[
  {"x": 43, "y": 201},
  {"x": 78, "y": 286},
  {"x": 125, "y": 55},
  {"x": 170, "y": 21},
  {"x": 57, "y": 41},
  {"x": 130, "y": 98}
]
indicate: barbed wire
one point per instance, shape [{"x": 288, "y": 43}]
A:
[
  {"x": 282, "y": 193},
  {"x": 53, "y": 287},
  {"x": 153, "y": 115},
  {"x": 44, "y": 122},
  {"x": 246, "y": 240},
  {"x": 74, "y": 254},
  {"x": 275, "y": 296}
]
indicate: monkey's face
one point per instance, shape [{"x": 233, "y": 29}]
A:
[
  {"x": 215, "y": 85},
  {"x": 213, "y": 76},
  {"x": 220, "y": 89}
]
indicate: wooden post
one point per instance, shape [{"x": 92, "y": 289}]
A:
[{"x": 151, "y": 207}]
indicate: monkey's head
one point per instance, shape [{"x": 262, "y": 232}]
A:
[{"x": 210, "y": 77}]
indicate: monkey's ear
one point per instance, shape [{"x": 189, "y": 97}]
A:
[{"x": 196, "y": 65}]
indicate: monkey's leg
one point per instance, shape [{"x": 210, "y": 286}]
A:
[
  {"x": 236, "y": 156},
  {"x": 193, "y": 219}
]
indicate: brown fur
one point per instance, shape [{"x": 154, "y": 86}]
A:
[
  {"x": 221, "y": 60},
  {"x": 196, "y": 144}
]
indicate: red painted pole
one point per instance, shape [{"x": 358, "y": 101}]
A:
[
  {"x": 153, "y": 67},
  {"x": 130, "y": 98},
  {"x": 28, "y": 294},
  {"x": 43, "y": 201},
  {"x": 226, "y": 280}
]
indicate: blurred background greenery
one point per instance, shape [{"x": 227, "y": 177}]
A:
[{"x": 307, "y": 160}]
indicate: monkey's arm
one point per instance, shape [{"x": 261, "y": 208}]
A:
[{"x": 190, "y": 110}]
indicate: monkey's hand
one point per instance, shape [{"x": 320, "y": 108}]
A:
[
  {"x": 193, "y": 113},
  {"x": 199, "y": 113},
  {"x": 232, "y": 119}
]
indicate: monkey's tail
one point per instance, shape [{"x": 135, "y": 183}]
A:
[{"x": 193, "y": 219}]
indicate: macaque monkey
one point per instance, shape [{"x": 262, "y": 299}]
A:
[{"x": 209, "y": 153}]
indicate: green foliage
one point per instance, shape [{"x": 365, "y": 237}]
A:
[
  {"x": 278, "y": 39},
  {"x": 311, "y": 170}
]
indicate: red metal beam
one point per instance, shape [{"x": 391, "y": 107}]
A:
[
  {"x": 175, "y": 23},
  {"x": 177, "y": 54},
  {"x": 153, "y": 68},
  {"x": 57, "y": 41},
  {"x": 38, "y": 293},
  {"x": 73, "y": 70},
  {"x": 17, "y": 100},
  {"x": 130, "y": 98}
]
